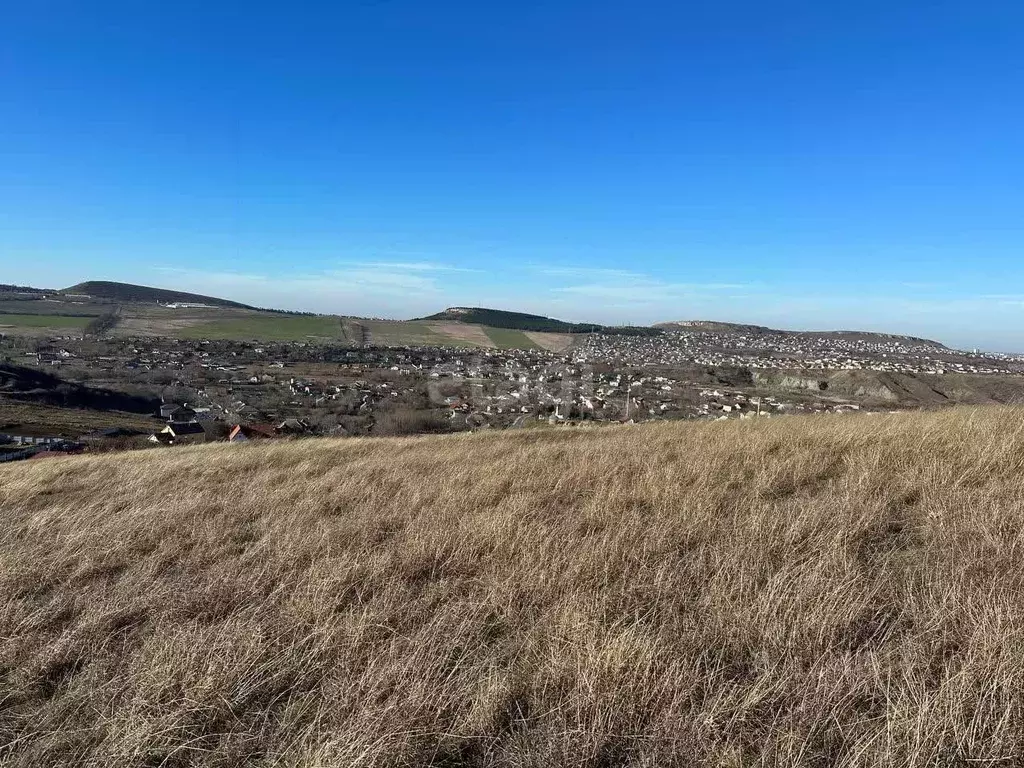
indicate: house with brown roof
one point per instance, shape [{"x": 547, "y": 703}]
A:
[{"x": 242, "y": 433}]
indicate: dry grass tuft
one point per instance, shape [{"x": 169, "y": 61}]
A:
[{"x": 811, "y": 591}]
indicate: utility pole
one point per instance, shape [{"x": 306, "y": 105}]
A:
[{"x": 629, "y": 392}]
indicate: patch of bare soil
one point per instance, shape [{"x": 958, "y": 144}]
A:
[
  {"x": 473, "y": 334},
  {"x": 155, "y": 326},
  {"x": 553, "y": 342}
]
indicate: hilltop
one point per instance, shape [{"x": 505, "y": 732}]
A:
[
  {"x": 521, "y": 321},
  {"x": 799, "y": 591},
  {"x": 99, "y": 308},
  {"x": 713, "y": 326},
  {"x": 21, "y": 290},
  {"x": 103, "y": 289}
]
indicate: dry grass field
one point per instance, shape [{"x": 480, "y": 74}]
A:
[{"x": 815, "y": 591}]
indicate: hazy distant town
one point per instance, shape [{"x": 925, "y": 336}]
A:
[{"x": 788, "y": 350}]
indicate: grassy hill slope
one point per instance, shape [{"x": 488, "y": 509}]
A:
[
  {"x": 103, "y": 289},
  {"x": 804, "y": 591},
  {"x": 713, "y": 326},
  {"x": 521, "y": 321},
  {"x": 500, "y": 318}
]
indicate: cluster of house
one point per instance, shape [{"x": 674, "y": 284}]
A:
[
  {"x": 786, "y": 351},
  {"x": 20, "y": 447},
  {"x": 188, "y": 425},
  {"x": 175, "y": 431},
  {"x": 510, "y": 396},
  {"x": 727, "y": 404},
  {"x": 245, "y": 390},
  {"x": 57, "y": 356}
]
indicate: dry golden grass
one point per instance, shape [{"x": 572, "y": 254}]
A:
[
  {"x": 554, "y": 342},
  {"x": 810, "y": 591}
]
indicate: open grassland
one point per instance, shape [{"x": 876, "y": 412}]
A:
[
  {"x": 470, "y": 335},
  {"x": 554, "y": 342},
  {"x": 40, "y": 307},
  {"x": 268, "y": 327},
  {"x": 31, "y": 322},
  {"x": 809, "y": 591},
  {"x": 398, "y": 333},
  {"x": 507, "y": 338}
]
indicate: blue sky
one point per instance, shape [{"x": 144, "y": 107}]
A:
[{"x": 799, "y": 164}]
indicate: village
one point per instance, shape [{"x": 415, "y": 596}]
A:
[
  {"x": 234, "y": 391},
  {"x": 827, "y": 352}
]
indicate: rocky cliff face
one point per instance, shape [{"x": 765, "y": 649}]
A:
[
  {"x": 868, "y": 386},
  {"x": 884, "y": 387}
]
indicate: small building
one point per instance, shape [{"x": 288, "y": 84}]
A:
[
  {"x": 31, "y": 440},
  {"x": 180, "y": 432},
  {"x": 247, "y": 412},
  {"x": 182, "y": 414},
  {"x": 166, "y": 409},
  {"x": 292, "y": 427},
  {"x": 242, "y": 433}
]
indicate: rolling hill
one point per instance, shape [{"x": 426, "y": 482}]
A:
[
  {"x": 7, "y": 289},
  {"x": 24, "y": 309},
  {"x": 713, "y": 326},
  {"x": 521, "y": 321},
  {"x": 793, "y": 592},
  {"x": 498, "y": 318},
  {"x": 126, "y": 292}
]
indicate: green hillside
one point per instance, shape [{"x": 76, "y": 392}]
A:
[
  {"x": 267, "y": 328},
  {"x": 522, "y": 321},
  {"x": 509, "y": 338},
  {"x": 103, "y": 289}
]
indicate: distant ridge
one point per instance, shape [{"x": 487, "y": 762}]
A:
[
  {"x": 713, "y": 326},
  {"x": 499, "y": 318},
  {"x": 103, "y": 289},
  {"x": 522, "y": 321},
  {"x": 23, "y": 289}
]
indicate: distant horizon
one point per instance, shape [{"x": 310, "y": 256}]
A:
[
  {"x": 581, "y": 319},
  {"x": 804, "y": 166}
]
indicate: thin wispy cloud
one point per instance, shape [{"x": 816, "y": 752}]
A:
[
  {"x": 585, "y": 273},
  {"x": 377, "y": 277},
  {"x": 624, "y": 287},
  {"x": 411, "y": 266},
  {"x": 372, "y": 290}
]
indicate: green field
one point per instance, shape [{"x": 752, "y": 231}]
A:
[
  {"x": 506, "y": 338},
  {"x": 266, "y": 328},
  {"x": 395, "y": 333},
  {"x": 43, "y": 321},
  {"x": 15, "y": 307}
]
